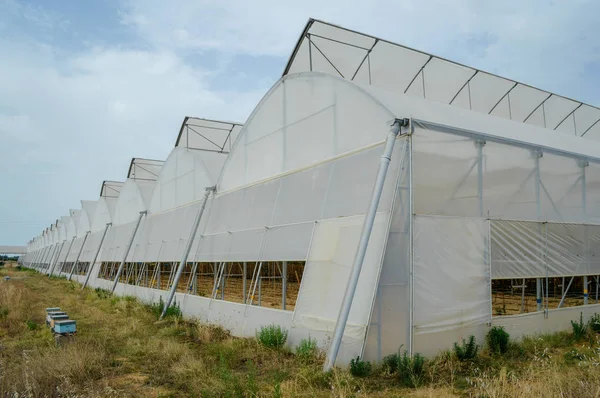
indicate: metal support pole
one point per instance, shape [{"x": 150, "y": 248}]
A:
[
  {"x": 56, "y": 259},
  {"x": 562, "y": 300},
  {"x": 538, "y": 182},
  {"x": 361, "y": 251},
  {"x": 187, "y": 249},
  {"x": 480, "y": 144},
  {"x": 585, "y": 290},
  {"x": 245, "y": 275},
  {"x": 66, "y": 256},
  {"x": 75, "y": 264},
  {"x": 118, "y": 275},
  {"x": 284, "y": 285},
  {"x": 259, "y": 290},
  {"x": 523, "y": 296},
  {"x": 223, "y": 276},
  {"x": 91, "y": 267}
]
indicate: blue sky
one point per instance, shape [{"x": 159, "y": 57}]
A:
[{"x": 87, "y": 85}]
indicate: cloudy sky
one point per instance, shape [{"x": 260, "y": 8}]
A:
[{"x": 87, "y": 85}]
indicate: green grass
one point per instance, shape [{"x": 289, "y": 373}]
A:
[{"x": 272, "y": 336}]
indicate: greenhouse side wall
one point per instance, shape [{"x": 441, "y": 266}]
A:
[{"x": 491, "y": 213}]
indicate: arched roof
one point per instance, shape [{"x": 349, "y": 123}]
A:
[
  {"x": 364, "y": 59},
  {"x": 310, "y": 117},
  {"x": 144, "y": 169},
  {"x": 135, "y": 197},
  {"x": 208, "y": 135},
  {"x": 103, "y": 213},
  {"x": 88, "y": 207}
]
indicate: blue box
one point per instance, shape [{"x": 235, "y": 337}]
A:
[
  {"x": 65, "y": 327},
  {"x": 59, "y": 317},
  {"x": 51, "y": 314},
  {"x": 52, "y": 309}
]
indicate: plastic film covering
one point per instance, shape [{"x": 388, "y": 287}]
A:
[
  {"x": 303, "y": 120},
  {"x": 365, "y": 59},
  {"x": 184, "y": 177},
  {"x": 134, "y": 197},
  {"x": 472, "y": 177},
  {"x": 451, "y": 274},
  {"x": 325, "y": 278},
  {"x": 103, "y": 213},
  {"x": 529, "y": 249},
  {"x": 210, "y": 135},
  {"x": 144, "y": 169}
]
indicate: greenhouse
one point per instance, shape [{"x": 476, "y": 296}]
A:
[{"x": 376, "y": 198}]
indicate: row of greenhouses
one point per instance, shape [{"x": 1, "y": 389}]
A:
[{"x": 378, "y": 198}]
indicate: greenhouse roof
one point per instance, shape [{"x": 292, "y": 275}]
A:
[
  {"x": 365, "y": 59},
  {"x": 208, "y": 135},
  {"x": 111, "y": 189},
  {"x": 144, "y": 169}
]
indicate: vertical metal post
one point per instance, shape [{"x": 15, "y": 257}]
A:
[
  {"x": 76, "y": 263},
  {"x": 51, "y": 271},
  {"x": 585, "y": 290},
  {"x": 244, "y": 282},
  {"x": 283, "y": 285},
  {"x": 538, "y": 182},
  {"x": 187, "y": 249},
  {"x": 523, "y": 296},
  {"x": 259, "y": 290},
  {"x": 223, "y": 276},
  {"x": 480, "y": 144},
  {"x": 118, "y": 275},
  {"x": 361, "y": 251},
  {"x": 93, "y": 263},
  {"x": 562, "y": 300}
]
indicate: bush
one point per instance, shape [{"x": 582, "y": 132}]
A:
[
  {"x": 579, "y": 328},
  {"x": 3, "y": 312},
  {"x": 359, "y": 368},
  {"x": 497, "y": 340},
  {"x": 272, "y": 336},
  {"x": 411, "y": 370},
  {"x": 467, "y": 350},
  {"x": 102, "y": 293},
  {"x": 174, "y": 311},
  {"x": 307, "y": 349},
  {"x": 595, "y": 323},
  {"x": 32, "y": 325},
  {"x": 391, "y": 362}
]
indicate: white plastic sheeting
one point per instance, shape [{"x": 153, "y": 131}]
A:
[
  {"x": 144, "y": 169},
  {"x": 303, "y": 120},
  {"x": 208, "y": 135},
  {"x": 135, "y": 197},
  {"x": 368, "y": 60},
  {"x": 325, "y": 278},
  {"x": 103, "y": 213},
  {"x": 184, "y": 177},
  {"x": 451, "y": 273}
]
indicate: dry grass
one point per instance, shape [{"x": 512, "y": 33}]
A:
[{"x": 122, "y": 350}]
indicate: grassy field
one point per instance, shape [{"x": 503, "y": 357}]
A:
[{"x": 122, "y": 350}]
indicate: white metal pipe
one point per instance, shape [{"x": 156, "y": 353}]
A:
[
  {"x": 585, "y": 290},
  {"x": 361, "y": 251},
  {"x": 118, "y": 275},
  {"x": 51, "y": 271},
  {"x": 284, "y": 285},
  {"x": 78, "y": 255},
  {"x": 186, "y": 251},
  {"x": 562, "y": 300},
  {"x": 91, "y": 266}
]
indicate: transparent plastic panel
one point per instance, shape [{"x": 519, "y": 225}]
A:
[
  {"x": 289, "y": 242},
  {"x": 556, "y": 109},
  {"x": 451, "y": 274},
  {"x": 585, "y": 117},
  {"x": 299, "y": 114},
  {"x": 129, "y": 204},
  {"x": 393, "y": 67},
  {"x": 486, "y": 91},
  {"x": 518, "y": 249},
  {"x": 326, "y": 275},
  {"x": 345, "y": 58},
  {"x": 443, "y": 80},
  {"x": 102, "y": 214},
  {"x": 341, "y": 35},
  {"x": 524, "y": 100}
]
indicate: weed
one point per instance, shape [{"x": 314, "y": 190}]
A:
[
  {"x": 174, "y": 311},
  {"x": 32, "y": 325},
  {"x": 3, "y": 312},
  {"x": 360, "y": 368},
  {"x": 467, "y": 350},
  {"x": 595, "y": 323},
  {"x": 307, "y": 350},
  {"x": 272, "y": 336},
  {"x": 579, "y": 328},
  {"x": 390, "y": 362},
  {"x": 102, "y": 293},
  {"x": 411, "y": 370},
  {"x": 497, "y": 340}
]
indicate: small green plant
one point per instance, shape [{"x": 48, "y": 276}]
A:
[
  {"x": 497, "y": 340},
  {"x": 411, "y": 370},
  {"x": 3, "y": 312},
  {"x": 272, "y": 336},
  {"x": 467, "y": 350},
  {"x": 307, "y": 350},
  {"x": 360, "y": 368},
  {"x": 579, "y": 328},
  {"x": 595, "y": 323},
  {"x": 174, "y": 310},
  {"x": 102, "y": 293},
  {"x": 32, "y": 325},
  {"x": 390, "y": 362},
  {"x": 573, "y": 356}
]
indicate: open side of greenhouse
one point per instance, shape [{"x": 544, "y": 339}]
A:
[{"x": 488, "y": 214}]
